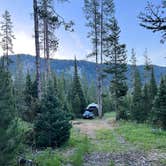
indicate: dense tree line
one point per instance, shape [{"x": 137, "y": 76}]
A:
[{"x": 144, "y": 102}]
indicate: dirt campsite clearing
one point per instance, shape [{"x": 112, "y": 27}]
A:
[{"x": 121, "y": 143}]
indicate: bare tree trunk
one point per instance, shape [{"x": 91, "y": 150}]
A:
[
  {"x": 96, "y": 55},
  {"x": 46, "y": 41},
  {"x": 44, "y": 51},
  {"x": 101, "y": 62},
  {"x": 47, "y": 52},
  {"x": 37, "y": 46},
  {"x": 98, "y": 67},
  {"x": 116, "y": 92}
]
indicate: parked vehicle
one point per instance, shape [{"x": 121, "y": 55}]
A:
[
  {"x": 93, "y": 108},
  {"x": 88, "y": 115}
]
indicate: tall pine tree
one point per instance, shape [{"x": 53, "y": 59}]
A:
[
  {"x": 146, "y": 103},
  {"x": 30, "y": 100},
  {"x": 136, "y": 111},
  {"x": 159, "y": 108},
  {"x": 9, "y": 139},
  {"x": 97, "y": 13},
  {"x": 152, "y": 85},
  {"x": 133, "y": 61},
  {"x": 116, "y": 64},
  {"x": 7, "y": 37},
  {"x": 19, "y": 83},
  {"x": 77, "y": 96}
]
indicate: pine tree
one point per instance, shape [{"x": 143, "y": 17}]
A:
[
  {"x": 153, "y": 85},
  {"x": 62, "y": 91},
  {"x": 125, "y": 106},
  {"x": 147, "y": 67},
  {"x": 19, "y": 79},
  {"x": 92, "y": 92},
  {"x": 52, "y": 127},
  {"x": 19, "y": 83},
  {"x": 9, "y": 138},
  {"x": 7, "y": 36},
  {"x": 85, "y": 87},
  {"x": 116, "y": 64},
  {"x": 30, "y": 100},
  {"x": 97, "y": 12},
  {"x": 146, "y": 103},
  {"x": 77, "y": 93},
  {"x": 136, "y": 112},
  {"x": 76, "y": 106},
  {"x": 133, "y": 61},
  {"x": 159, "y": 108},
  {"x": 152, "y": 92}
]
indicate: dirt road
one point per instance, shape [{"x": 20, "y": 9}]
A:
[
  {"x": 89, "y": 127},
  {"x": 130, "y": 157}
]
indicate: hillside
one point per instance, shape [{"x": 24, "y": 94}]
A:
[{"x": 59, "y": 66}]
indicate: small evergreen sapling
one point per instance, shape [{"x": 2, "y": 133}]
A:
[{"x": 52, "y": 126}]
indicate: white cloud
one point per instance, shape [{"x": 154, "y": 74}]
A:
[{"x": 24, "y": 43}]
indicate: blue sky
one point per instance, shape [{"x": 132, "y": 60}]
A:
[{"x": 76, "y": 43}]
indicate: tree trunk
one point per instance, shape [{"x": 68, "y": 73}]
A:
[
  {"x": 116, "y": 85},
  {"x": 97, "y": 64},
  {"x": 101, "y": 62},
  {"x": 37, "y": 46},
  {"x": 46, "y": 41}
]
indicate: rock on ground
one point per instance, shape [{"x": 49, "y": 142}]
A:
[{"x": 121, "y": 159}]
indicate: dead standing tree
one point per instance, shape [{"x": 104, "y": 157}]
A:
[{"x": 37, "y": 47}]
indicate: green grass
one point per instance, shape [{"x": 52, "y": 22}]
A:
[
  {"x": 81, "y": 144},
  {"x": 108, "y": 115},
  {"x": 49, "y": 158},
  {"x": 163, "y": 161},
  {"x": 76, "y": 138},
  {"x": 142, "y": 136},
  {"x": 137, "y": 136},
  {"x": 106, "y": 141},
  {"x": 78, "y": 145},
  {"x": 78, "y": 157},
  {"x": 111, "y": 163}
]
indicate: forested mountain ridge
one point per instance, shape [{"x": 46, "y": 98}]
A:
[{"x": 86, "y": 68}]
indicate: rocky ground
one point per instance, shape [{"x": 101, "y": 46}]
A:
[
  {"x": 122, "y": 159},
  {"x": 130, "y": 157}
]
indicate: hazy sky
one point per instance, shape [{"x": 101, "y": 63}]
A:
[{"x": 76, "y": 43}]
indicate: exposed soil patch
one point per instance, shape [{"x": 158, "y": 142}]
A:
[
  {"x": 89, "y": 127},
  {"x": 130, "y": 157}
]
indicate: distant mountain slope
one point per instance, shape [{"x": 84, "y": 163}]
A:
[{"x": 85, "y": 68}]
